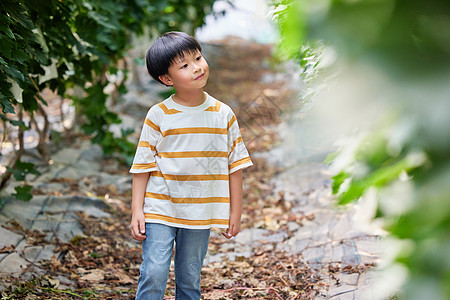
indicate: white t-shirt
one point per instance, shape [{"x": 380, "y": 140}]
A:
[{"x": 190, "y": 152}]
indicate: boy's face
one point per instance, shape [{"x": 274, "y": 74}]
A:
[{"x": 188, "y": 72}]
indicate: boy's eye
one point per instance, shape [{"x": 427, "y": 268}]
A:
[
  {"x": 199, "y": 57},
  {"x": 184, "y": 66}
]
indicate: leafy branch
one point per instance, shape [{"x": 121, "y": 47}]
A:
[{"x": 62, "y": 45}]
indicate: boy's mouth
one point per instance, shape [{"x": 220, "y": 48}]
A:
[{"x": 200, "y": 77}]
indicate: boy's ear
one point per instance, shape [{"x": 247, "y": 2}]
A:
[{"x": 165, "y": 79}]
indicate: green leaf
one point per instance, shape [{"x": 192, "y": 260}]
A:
[
  {"x": 14, "y": 73},
  {"x": 20, "y": 56},
  {"x": 169, "y": 9},
  {"x": 6, "y": 106},
  {"x": 122, "y": 89},
  {"x": 377, "y": 178},
  {"x": 338, "y": 180},
  {"x": 21, "y": 169},
  {"x": 96, "y": 255},
  {"x": 23, "y": 193},
  {"x": 102, "y": 20},
  {"x": 8, "y": 32},
  {"x": 21, "y": 124}
]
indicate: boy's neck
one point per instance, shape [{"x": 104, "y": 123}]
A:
[{"x": 189, "y": 97}]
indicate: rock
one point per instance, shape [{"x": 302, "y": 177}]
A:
[
  {"x": 350, "y": 279},
  {"x": 91, "y": 206},
  {"x": 320, "y": 233},
  {"x": 301, "y": 245},
  {"x": 64, "y": 282},
  {"x": 350, "y": 256},
  {"x": 13, "y": 264},
  {"x": 75, "y": 173},
  {"x": 213, "y": 258},
  {"x": 314, "y": 254},
  {"x": 337, "y": 253},
  {"x": 343, "y": 291},
  {"x": 342, "y": 228},
  {"x": 369, "y": 246},
  {"x": 67, "y": 156},
  {"x": 9, "y": 238},
  {"x": 122, "y": 183},
  {"x": 23, "y": 212},
  {"x": 37, "y": 253},
  {"x": 50, "y": 187},
  {"x": 369, "y": 259},
  {"x": 244, "y": 237},
  {"x": 88, "y": 168},
  {"x": 304, "y": 233},
  {"x": 272, "y": 238},
  {"x": 293, "y": 226},
  {"x": 94, "y": 154},
  {"x": 259, "y": 234}
]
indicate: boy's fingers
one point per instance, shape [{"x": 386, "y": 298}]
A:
[
  {"x": 231, "y": 232},
  {"x": 227, "y": 233},
  {"x": 136, "y": 231},
  {"x": 142, "y": 227}
]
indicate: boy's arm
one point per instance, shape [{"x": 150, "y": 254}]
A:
[
  {"x": 235, "y": 204},
  {"x": 137, "y": 205}
]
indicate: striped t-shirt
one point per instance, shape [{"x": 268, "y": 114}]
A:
[{"x": 190, "y": 152}]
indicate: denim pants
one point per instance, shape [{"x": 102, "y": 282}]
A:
[{"x": 190, "y": 250}]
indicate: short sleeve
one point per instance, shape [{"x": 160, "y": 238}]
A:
[
  {"x": 238, "y": 157},
  {"x": 144, "y": 159}
]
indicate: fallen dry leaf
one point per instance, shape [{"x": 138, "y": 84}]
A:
[
  {"x": 94, "y": 275},
  {"x": 8, "y": 249}
]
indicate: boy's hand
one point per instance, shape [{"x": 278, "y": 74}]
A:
[
  {"x": 234, "y": 226},
  {"x": 138, "y": 226}
]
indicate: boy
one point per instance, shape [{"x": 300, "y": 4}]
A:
[{"x": 187, "y": 171}]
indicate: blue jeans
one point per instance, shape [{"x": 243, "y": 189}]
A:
[{"x": 190, "y": 250}]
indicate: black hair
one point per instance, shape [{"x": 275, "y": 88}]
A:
[{"x": 164, "y": 50}]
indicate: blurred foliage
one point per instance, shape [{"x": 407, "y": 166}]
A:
[
  {"x": 405, "y": 159},
  {"x": 79, "y": 43}
]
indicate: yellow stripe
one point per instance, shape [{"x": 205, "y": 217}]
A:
[
  {"x": 190, "y": 177},
  {"x": 147, "y": 145},
  {"x": 182, "y": 154},
  {"x": 195, "y": 130},
  {"x": 239, "y": 162},
  {"x": 168, "y": 111},
  {"x": 188, "y": 200},
  {"x": 236, "y": 141},
  {"x": 214, "y": 108},
  {"x": 143, "y": 166},
  {"x": 230, "y": 123},
  {"x": 152, "y": 125},
  {"x": 157, "y": 196},
  {"x": 185, "y": 221}
]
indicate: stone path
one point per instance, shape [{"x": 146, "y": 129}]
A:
[
  {"x": 328, "y": 236},
  {"x": 54, "y": 215}
]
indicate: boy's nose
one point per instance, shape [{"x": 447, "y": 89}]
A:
[{"x": 196, "y": 68}]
